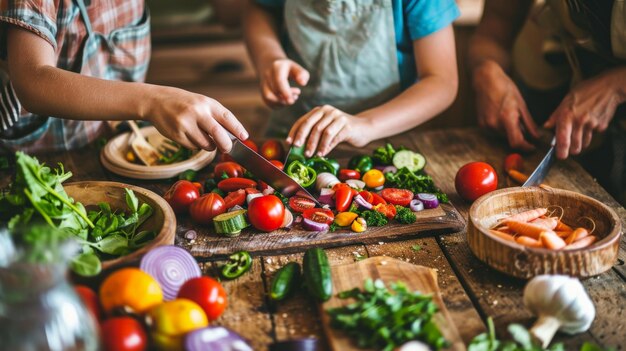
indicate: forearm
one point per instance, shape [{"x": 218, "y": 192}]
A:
[
  {"x": 484, "y": 50},
  {"x": 261, "y": 34},
  {"x": 416, "y": 105}
]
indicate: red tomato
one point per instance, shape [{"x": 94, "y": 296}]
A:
[
  {"x": 199, "y": 186},
  {"x": 345, "y": 174},
  {"x": 251, "y": 191},
  {"x": 388, "y": 210},
  {"x": 343, "y": 198},
  {"x": 206, "y": 207},
  {"x": 367, "y": 196},
  {"x": 377, "y": 199},
  {"x": 319, "y": 215},
  {"x": 266, "y": 213},
  {"x": 181, "y": 195},
  {"x": 251, "y": 144},
  {"x": 232, "y": 184},
  {"x": 278, "y": 164},
  {"x": 300, "y": 203},
  {"x": 340, "y": 185},
  {"x": 235, "y": 198},
  {"x": 396, "y": 196},
  {"x": 475, "y": 179},
  {"x": 232, "y": 170},
  {"x": 513, "y": 161},
  {"x": 208, "y": 293},
  {"x": 90, "y": 299},
  {"x": 123, "y": 334},
  {"x": 272, "y": 150}
]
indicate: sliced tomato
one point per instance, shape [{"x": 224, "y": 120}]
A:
[
  {"x": 377, "y": 199},
  {"x": 252, "y": 191},
  {"x": 388, "y": 210},
  {"x": 340, "y": 185},
  {"x": 367, "y": 196},
  {"x": 232, "y": 184},
  {"x": 397, "y": 196},
  {"x": 319, "y": 215},
  {"x": 235, "y": 198},
  {"x": 278, "y": 164},
  {"x": 300, "y": 203},
  {"x": 345, "y": 174}
]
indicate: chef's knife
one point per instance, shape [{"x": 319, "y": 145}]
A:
[
  {"x": 540, "y": 173},
  {"x": 265, "y": 170}
]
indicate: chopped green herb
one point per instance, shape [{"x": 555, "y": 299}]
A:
[
  {"x": 416, "y": 247},
  {"x": 374, "y": 218},
  {"x": 189, "y": 175},
  {"x": 417, "y": 183},
  {"x": 404, "y": 215}
]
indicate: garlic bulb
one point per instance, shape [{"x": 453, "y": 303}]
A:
[{"x": 561, "y": 303}]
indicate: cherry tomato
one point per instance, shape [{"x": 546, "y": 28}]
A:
[
  {"x": 367, "y": 196},
  {"x": 232, "y": 170},
  {"x": 374, "y": 178},
  {"x": 319, "y": 215},
  {"x": 90, "y": 299},
  {"x": 278, "y": 164},
  {"x": 343, "y": 198},
  {"x": 513, "y": 161},
  {"x": 235, "y": 198},
  {"x": 396, "y": 196},
  {"x": 388, "y": 210},
  {"x": 475, "y": 179},
  {"x": 266, "y": 213},
  {"x": 377, "y": 199},
  {"x": 251, "y": 144},
  {"x": 123, "y": 334},
  {"x": 232, "y": 184},
  {"x": 272, "y": 150},
  {"x": 300, "y": 203},
  {"x": 206, "y": 207},
  {"x": 206, "y": 292},
  {"x": 130, "y": 288},
  {"x": 171, "y": 320},
  {"x": 345, "y": 174},
  {"x": 181, "y": 195},
  {"x": 199, "y": 186},
  {"x": 340, "y": 185}
]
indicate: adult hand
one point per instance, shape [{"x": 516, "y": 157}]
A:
[
  {"x": 275, "y": 87},
  {"x": 324, "y": 127},
  {"x": 193, "y": 120},
  {"x": 501, "y": 106},
  {"x": 588, "y": 107}
]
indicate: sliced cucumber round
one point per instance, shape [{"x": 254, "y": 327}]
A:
[
  {"x": 413, "y": 161},
  {"x": 230, "y": 223}
]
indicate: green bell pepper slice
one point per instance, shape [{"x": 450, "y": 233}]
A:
[
  {"x": 301, "y": 173},
  {"x": 321, "y": 164},
  {"x": 361, "y": 163},
  {"x": 238, "y": 264}
]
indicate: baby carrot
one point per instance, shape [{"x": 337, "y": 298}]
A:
[
  {"x": 552, "y": 241},
  {"x": 584, "y": 242},
  {"x": 528, "y": 229},
  {"x": 502, "y": 235},
  {"x": 560, "y": 226},
  {"x": 563, "y": 233},
  {"x": 527, "y": 216},
  {"x": 548, "y": 222},
  {"x": 527, "y": 241},
  {"x": 517, "y": 176},
  {"x": 576, "y": 235}
]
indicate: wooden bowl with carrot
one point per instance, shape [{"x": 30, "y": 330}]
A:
[{"x": 526, "y": 232}]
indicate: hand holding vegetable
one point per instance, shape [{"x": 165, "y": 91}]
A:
[{"x": 275, "y": 77}]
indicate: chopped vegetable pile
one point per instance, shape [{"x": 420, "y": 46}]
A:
[{"x": 384, "y": 319}]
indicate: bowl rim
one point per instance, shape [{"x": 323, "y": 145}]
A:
[{"x": 602, "y": 244}]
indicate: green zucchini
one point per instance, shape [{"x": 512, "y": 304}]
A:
[
  {"x": 285, "y": 281},
  {"x": 413, "y": 161},
  {"x": 317, "y": 277},
  {"x": 230, "y": 223}
]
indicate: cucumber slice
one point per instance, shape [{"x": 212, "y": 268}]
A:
[
  {"x": 230, "y": 223},
  {"x": 413, "y": 161}
]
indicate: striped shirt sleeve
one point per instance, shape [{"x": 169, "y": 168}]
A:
[{"x": 37, "y": 16}]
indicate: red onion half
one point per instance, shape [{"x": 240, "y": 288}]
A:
[
  {"x": 313, "y": 226},
  {"x": 171, "y": 266},
  {"x": 429, "y": 200},
  {"x": 215, "y": 339}
]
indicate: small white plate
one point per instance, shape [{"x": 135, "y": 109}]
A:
[{"x": 113, "y": 158}]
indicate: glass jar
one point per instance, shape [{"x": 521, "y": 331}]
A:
[{"x": 39, "y": 309}]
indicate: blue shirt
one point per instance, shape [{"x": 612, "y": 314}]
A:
[{"x": 413, "y": 19}]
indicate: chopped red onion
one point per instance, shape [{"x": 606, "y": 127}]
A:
[
  {"x": 287, "y": 219},
  {"x": 356, "y": 184},
  {"x": 313, "y": 226},
  {"x": 378, "y": 188},
  {"x": 191, "y": 234},
  {"x": 235, "y": 208},
  {"x": 298, "y": 219},
  {"x": 429, "y": 200},
  {"x": 215, "y": 339},
  {"x": 268, "y": 191},
  {"x": 249, "y": 197},
  {"x": 390, "y": 169},
  {"x": 361, "y": 202},
  {"x": 304, "y": 195},
  {"x": 325, "y": 180},
  {"x": 416, "y": 205},
  {"x": 171, "y": 266}
]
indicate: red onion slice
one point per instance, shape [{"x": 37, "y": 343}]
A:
[
  {"x": 429, "y": 200},
  {"x": 215, "y": 339},
  {"x": 361, "y": 202},
  {"x": 268, "y": 191},
  {"x": 325, "y": 180},
  {"x": 287, "y": 219},
  {"x": 313, "y": 226},
  {"x": 416, "y": 205},
  {"x": 171, "y": 266},
  {"x": 356, "y": 184},
  {"x": 249, "y": 197},
  {"x": 390, "y": 169}
]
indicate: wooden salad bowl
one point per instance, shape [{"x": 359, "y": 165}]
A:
[
  {"x": 524, "y": 262},
  {"x": 162, "y": 221}
]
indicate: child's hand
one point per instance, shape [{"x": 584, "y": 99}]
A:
[
  {"x": 193, "y": 120},
  {"x": 326, "y": 126},
  {"x": 275, "y": 82}
]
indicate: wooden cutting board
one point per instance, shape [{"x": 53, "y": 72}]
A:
[
  {"x": 441, "y": 220},
  {"x": 389, "y": 270}
]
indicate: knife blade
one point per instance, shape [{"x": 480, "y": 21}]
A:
[
  {"x": 265, "y": 170},
  {"x": 540, "y": 173}
]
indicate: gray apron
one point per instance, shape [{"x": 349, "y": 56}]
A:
[{"x": 348, "y": 47}]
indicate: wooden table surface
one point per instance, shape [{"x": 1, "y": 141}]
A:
[{"x": 471, "y": 290}]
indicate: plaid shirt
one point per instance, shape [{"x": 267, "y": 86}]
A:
[{"x": 116, "y": 48}]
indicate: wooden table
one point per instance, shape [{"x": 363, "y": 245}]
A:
[{"x": 471, "y": 290}]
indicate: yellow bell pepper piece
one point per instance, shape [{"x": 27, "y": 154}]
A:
[
  {"x": 359, "y": 225},
  {"x": 344, "y": 219}
]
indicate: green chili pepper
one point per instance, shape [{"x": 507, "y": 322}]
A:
[
  {"x": 238, "y": 264},
  {"x": 335, "y": 164},
  {"x": 295, "y": 154},
  {"x": 189, "y": 175},
  {"x": 361, "y": 163},
  {"x": 301, "y": 173},
  {"x": 320, "y": 164}
]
